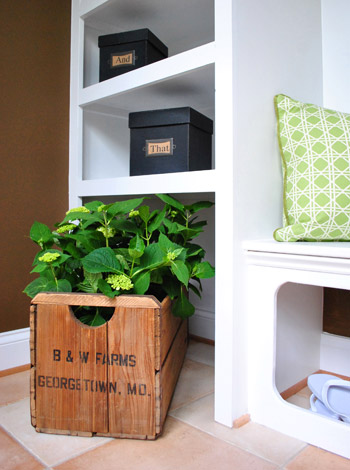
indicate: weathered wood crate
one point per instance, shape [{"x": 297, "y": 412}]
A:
[{"x": 113, "y": 380}]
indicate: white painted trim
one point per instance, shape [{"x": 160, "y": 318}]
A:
[
  {"x": 334, "y": 354},
  {"x": 202, "y": 324},
  {"x": 14, "y": 348}
]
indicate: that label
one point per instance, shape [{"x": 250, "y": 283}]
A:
[
  {"x": 159, "y": 147},
  {"x": 121, "y": 59}
]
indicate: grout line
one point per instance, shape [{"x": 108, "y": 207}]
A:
[
  {"x": 190, "y": 401},
  {"x": 249, "y": 451},
  {"x": 37, "y": 457},
  {"x": 295, "y": 455},
  {"x": 85, "y": 451},
  {"x": 15, "y": 438}
]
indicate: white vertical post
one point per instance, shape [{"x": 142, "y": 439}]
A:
[{"x": 76, "y": 117}]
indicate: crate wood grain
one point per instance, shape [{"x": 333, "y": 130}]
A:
[{"x": 116, "y": 379}]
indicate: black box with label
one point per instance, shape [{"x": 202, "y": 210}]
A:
[
  {"x": 123, "y": 52},
  {"x": 169, "y": 141}
]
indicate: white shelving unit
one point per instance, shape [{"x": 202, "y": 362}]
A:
[
  {"x": 227, "y": 59},
  {"x": 197, "y": 73}
]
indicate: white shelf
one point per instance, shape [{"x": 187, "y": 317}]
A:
[
  {"x": 321, "y": 249},
  {"x": 180, "y": 31},
  {"x": 185, "y": 78},
  {"x": 189, "y": 182}
]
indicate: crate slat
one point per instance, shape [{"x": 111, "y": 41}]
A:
[{"x": 68, "y": 389}]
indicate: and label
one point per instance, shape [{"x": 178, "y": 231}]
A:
[
  {"x": 121, "y": 59},
  {"x": 159, "y": 147}
]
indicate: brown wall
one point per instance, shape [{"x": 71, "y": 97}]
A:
[{"x": 34, "y": 110}]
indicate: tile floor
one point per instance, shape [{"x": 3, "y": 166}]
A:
[{"x": 191, "y": 439}]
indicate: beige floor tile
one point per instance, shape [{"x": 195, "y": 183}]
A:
[
  {"x": 180, "y": 447},
  {"x": 14, "y": 387},
  {"x": 196, "y": 380},
  {"x": 315, "y": 458},
  {"x": 267, "y": 443},
  {"x": 49, "y": 448},
  {"x": 299, "y": 400},
  {"x": 201, "y": 352},
  {"x": 305, "y": 392},
  {"x": 14, "y": 457}
]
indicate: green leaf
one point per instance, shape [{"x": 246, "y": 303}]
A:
[
  {"x": 102, "y": 260},
  {"x": 152, "y": 257},
  {"x": 73, "y": 250},
  {"x": 92, "y": 319},
  {"x": 106, "y": 289},
  {"x": 39, "y": 268},
  {"x": 36, "y": 286},
  {"x": 93, "y": 205},
  {"x": 194, "y": 250},
  {"x": 124, "y": 207},
  {"x": 165, "y": 244},
  {"x": 144, "y": 213},
  {"x": 171, "y": 226},
  {"x": 95, "y": 219},
  {"x": 62, "y": 285},
  {"x": 189, "y": 232},
  {"x": 124, "y": 252},
  {"x": 195, "y": 290},
  {"x": 98, "y": 320},
  {"x": 136, "y": 247},
  {"x": 72, "y": 216},
  {"x": 155, "y": 224},
  {"x": 182, "y": 307},
  {"x": 203, "y": 270},
  {"x": 180, "y": 270},
  {"x": 171, "y": 201},
  {"x": 40, "y": 233},
  {"x": 123, "y": 262},
  {"x": 198, "y": 206},
  {"x": 142, "y": 282},
  {"x": 156, "y": 276},
  {"x": 90, "y": 283},
  {"x": 172, "y": 286},
  {"x": 125, "y": 226},
  {"x": 89, "y": 239}
]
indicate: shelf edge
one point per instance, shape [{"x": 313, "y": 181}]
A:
[
  {"x": 190, "y": 182},
  {"x": 162, "y": 70}
]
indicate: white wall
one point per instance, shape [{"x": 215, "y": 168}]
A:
[
  {"x": 336, "y": 54},
  {"x": 298, "y": 333},
  {"x": 278, "y": 49}
]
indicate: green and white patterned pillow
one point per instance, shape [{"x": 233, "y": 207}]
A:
[{"x": 315, "y": 148}]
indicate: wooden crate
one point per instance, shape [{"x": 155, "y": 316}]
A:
[{"x": 113, "y": 380}]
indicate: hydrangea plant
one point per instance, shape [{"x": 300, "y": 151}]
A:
[{"x": 123, "y": 248}]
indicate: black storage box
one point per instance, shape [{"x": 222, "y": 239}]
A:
[
  {"x": 122, "y": 52},
  {"x": 169, "y": 141}
]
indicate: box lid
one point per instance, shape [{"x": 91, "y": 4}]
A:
[
  {"x": 168, "y": 117},
  {"x": 133, "y": 36}
]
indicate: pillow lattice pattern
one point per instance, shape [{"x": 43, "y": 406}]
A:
[{"x": 315, "y": 148}]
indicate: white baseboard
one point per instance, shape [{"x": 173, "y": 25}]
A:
[
  {"x": 14, "y": 348},
  {"x": 202, "y": 324},
  {"x": 335, "y": 353}
]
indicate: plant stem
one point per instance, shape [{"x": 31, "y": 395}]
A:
[
  {"x": 132, "y": 266},
  {"x": 106, "y": 227},
  {"x": 53, "y": 273},
  {"x": 96, "y": 314},
  {"x": 147, "y": 238}
]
